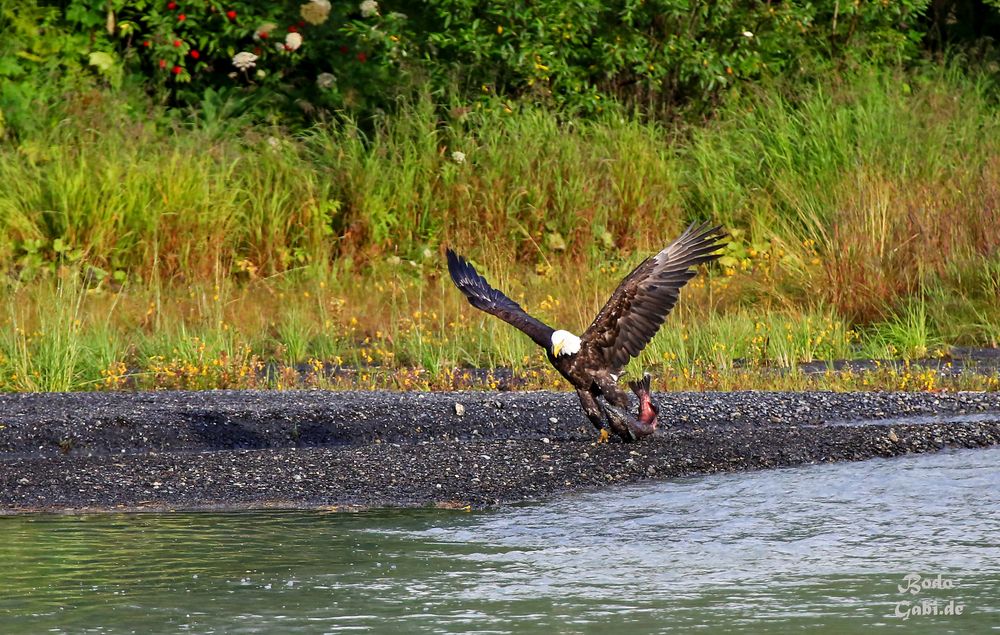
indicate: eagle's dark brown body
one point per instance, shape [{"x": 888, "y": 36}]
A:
[
  {"x": 593, "y": 361},
  {"x": 592, "y": 381}
]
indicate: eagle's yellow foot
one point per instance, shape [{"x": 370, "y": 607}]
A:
[{"x": 603, "y": 438}]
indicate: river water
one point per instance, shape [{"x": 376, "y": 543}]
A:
[{"x": 835, "y": 548}]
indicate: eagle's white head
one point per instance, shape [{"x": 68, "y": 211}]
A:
[{"x": 565, "y": 343}]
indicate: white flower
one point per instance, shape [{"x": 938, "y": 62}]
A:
[
  {"x": 279, "y": 46},
  {"x": 261, "y": 73},
  {"x": 264, "y": 30},
  {"x": 326, "y": 80},
  {"x": 316, "y": 11},
  {"x": 368, "y": 8},
  {"x": 458, "y": 157},
  {"x": 747, "y": 34},
  {"x": 244, "y": 60},
  {"x": 293, "y": 41}
]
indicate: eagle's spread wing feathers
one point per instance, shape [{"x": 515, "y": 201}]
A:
[
  {"x": 484, "y": 297},
  {"x": 640, "y": 304}
]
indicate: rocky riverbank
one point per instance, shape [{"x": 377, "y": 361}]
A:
[{"x": 236, "y": 450}]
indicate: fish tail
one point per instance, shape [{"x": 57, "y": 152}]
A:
[{"x": 641, "y": 386}]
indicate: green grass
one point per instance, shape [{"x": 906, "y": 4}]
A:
[
  {"x": 48, "y": 353},
  {"x": 63, "y": 336},
  {"x": 864, "y": 221}
]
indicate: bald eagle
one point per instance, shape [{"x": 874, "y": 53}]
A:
[{"x": 626, "y": 324}]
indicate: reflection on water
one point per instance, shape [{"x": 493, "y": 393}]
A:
[{"x": 773, "y": 551}]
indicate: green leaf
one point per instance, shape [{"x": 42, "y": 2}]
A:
[
  {"x": 103, "y": 61},
  {"x": 555, "y": 241},
  {"x": 29, "y": 56},
  {"x": 9, "y": 67}
]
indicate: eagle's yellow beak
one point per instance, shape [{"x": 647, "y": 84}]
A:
[{"x": 556, "y": 348}]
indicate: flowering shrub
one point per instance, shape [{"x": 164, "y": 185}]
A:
[
  {"x": 313, "y": 52},
  {"x": 320, "y": 55}
]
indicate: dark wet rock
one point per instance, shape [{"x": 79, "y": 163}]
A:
[{"x": 226, "y": 450}]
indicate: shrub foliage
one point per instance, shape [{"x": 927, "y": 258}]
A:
[{"x": 307, "y": 58}]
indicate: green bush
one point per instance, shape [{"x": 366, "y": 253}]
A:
[
  {"x": 310, "y": 58},
  {"x": 38, "y": 61},
  {"x": 657, "y": 53}
]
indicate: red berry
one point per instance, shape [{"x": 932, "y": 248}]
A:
[
  {"x": 177, "y": 44},
  {"x": 195, "y": 54},
  {"x": 146, "y": 44},
  {"x": 171, "y": 5},
  {"x": 293, "y": 29},
  {"x": 362, "y": 57},
  {"x": 263, "y": 35},
  {"x": 301, "y": 23},
  {"x": 182, "y": 17},
  {"x": 231, "y": 14},
  {"x": 163, "y": 63},
  {"x": 176, "y": 70}
]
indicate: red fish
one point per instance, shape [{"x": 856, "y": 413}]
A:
[
  {"x": 648, "y": 410},
  {"x": 644, "y": 423}
]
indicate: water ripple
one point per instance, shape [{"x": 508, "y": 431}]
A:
[{"x": 772, "y": 551}]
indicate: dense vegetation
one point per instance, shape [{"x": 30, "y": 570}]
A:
[
  {"x": 294, "y": 60},
  {"x": 191, "y": 229}
]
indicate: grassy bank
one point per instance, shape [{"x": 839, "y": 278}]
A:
[{"x": 141, "y": 251}]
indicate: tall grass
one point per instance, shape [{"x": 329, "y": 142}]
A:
[
  {"x": 64, "y": 337},
  {"x": 42, "y": 350},
  {"x": 893, "y": 177},
  {"x": 864, "y": 221}
]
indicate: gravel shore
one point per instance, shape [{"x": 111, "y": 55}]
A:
[{"x": 236, "y": 450}]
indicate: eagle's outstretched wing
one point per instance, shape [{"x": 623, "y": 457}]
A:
[
  {"x": 640, "y": 304},
  {"x": 484, "y": 297}
]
